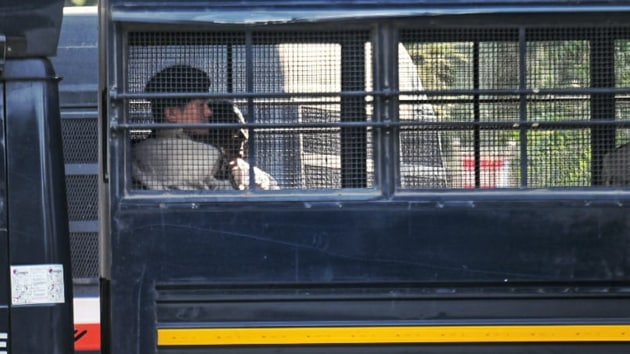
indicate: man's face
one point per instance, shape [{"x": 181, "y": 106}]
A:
[
  {"x": 230, "y": 140},
  {"x": 235, "y": 144},
  {"x": 194, "y": 112}
]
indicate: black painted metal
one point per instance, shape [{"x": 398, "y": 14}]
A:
[
  {"x": 5, "y": 286},
  {"x": 373, "y": 258},
  {"x": 283, "y": 11},
  {"x": 294, "y": 242},
  {"x": 31, "y": 27},
  {"x": 76, "y": 64},
  {"x": 602, "y": 105},
  {"x": 36, "y": 201},
  {"x": 397, "y": 262}
]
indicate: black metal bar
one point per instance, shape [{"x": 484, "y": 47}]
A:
[
  {"x": 476, "y": 116},
  {"x": 602, "y": 58},
  {"x": 418, "y": 125},
  {"x": 251, "y": 113},
  {"x": 385, "y": 69},
  {"x": 522, "y": 79},
  {"x": 353, "y": 140},
  {"x": 230, "y": 68},
  {"x": 363, "y": 93},
  {"x": 392, "y": 158}
]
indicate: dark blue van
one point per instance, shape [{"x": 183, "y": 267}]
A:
[{"x": 363, "y": 176}]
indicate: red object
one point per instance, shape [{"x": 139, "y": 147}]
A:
[
  {"x": 489, "y": 169},
  {"x": 485, "y": 164},
  {"x": 87, "y": 337}
]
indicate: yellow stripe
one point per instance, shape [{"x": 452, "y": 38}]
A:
[{"x": 393, "y": 334}]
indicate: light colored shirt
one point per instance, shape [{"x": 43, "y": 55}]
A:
[{"x": 173, "y": 161}]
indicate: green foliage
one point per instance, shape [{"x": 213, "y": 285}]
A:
[
  {"x": 622, "y": 61},
  {"x": 80, "y": 2},
  {"x": 439, "y": 64},
  {"x": 555, "y": 160},
  {"x": 558, "y": 64},
  {"x": 556, "y": 157}
]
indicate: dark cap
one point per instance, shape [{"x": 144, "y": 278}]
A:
[{"x": 176, "y": 79}]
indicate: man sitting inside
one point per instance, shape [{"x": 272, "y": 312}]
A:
[{"x": 181, "y": 158}]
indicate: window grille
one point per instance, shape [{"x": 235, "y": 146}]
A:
[
  {"x": 290, "y": 88},
  {"x": 524, "y": 108},
  {"x": 475, "y": 108}
]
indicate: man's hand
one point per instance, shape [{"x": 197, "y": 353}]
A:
[{"x": 240, "y": 171}]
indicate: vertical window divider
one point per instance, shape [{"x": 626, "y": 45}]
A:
[
  {"x": 603, "y": 105},
  {"x": 522, "y": 79},
  {"x": 251, "y": 114},
  {"x": 385, "y": 74},
  {"x": 353, "y": 140},
  {"x": 476, "y": 114}
]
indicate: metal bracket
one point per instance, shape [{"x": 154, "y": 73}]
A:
[{"x": 3, "y": 51}]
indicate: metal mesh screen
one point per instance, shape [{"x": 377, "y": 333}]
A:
[
  {"x": 477, "y": 108},
  {"x": 82, "y": 196},
  {"x": 80, "y": 139},
  {"x": 80, "y": 145},
  {"x": 84, "y": 253},
  {"x": 522, "y": 107},
  {"x": 278, "y": 118}
]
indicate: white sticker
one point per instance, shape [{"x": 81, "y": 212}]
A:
[{"x": 37, "y": 284}]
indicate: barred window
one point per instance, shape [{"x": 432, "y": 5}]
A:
[
  {"x": 472, "y": 108},
  {"x": 524, "y": 108},
  {"x": 278, "y": 105}
]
